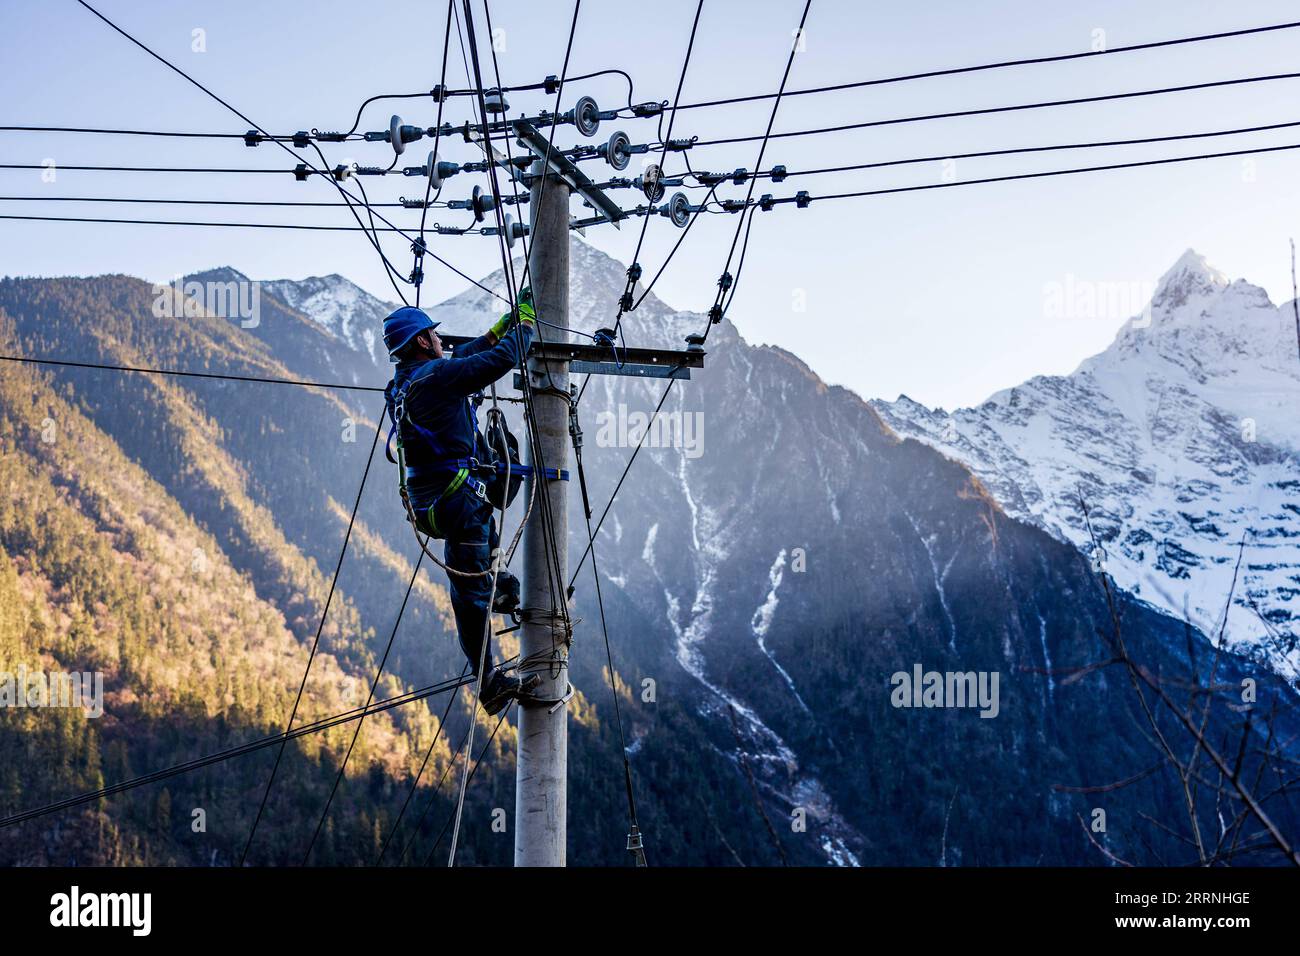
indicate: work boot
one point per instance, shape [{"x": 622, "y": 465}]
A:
[
  {"x": 499, "y": 688},
  {"x": 507, "y": 596}
]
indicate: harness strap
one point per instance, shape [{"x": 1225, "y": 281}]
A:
[{"x": 474, "y": 466}]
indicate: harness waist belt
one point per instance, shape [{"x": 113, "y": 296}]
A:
[{"x": 474, "y": 466}]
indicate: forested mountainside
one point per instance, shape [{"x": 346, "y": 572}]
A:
[
  {"x": 762, "y": 586},
  {"x": 266, "y": 475}
]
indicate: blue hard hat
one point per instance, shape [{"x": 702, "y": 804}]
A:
[{"x": 402, "y": 326}]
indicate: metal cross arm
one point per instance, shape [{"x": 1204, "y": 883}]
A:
[
  {"x": 606, "y": 360},
  {"x": 568, "y": 171}
]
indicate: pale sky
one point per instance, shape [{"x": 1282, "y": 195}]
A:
[{"x": 941, "y": 295}]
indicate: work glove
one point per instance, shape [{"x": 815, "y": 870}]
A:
[{"x": 524, "y": 310}]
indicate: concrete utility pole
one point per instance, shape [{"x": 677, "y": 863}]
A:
[{"x": 541, "y": 780}]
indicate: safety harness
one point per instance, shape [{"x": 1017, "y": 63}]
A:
[{"x": 468, "y": 473}]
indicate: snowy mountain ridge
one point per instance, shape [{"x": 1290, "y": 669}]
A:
[
  {"x": 341, "y": 306},
  {"x": 1183, "y": 438}
]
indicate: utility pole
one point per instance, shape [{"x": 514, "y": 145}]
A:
[{"x": 541, "y": 778}]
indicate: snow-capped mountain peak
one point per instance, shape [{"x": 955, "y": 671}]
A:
[
  {"x": 1191, "y": 276},
  {"x": 1183, "y": 436},
  {"x": 351, "y": 313}
]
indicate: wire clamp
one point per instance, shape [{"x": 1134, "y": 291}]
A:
[
  {"x": 778, "y": 174},
  {"x": 301, "y": 139},
  {"x": 552, "y": 704},
  {"x": 253, "y": 137},
  {"x": 765, "y": 202},
  {"x": 801, "y": 199}
]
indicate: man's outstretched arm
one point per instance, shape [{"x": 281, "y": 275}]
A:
[
  {"x": 473, "y": 373},
  {"x": 499, "y": 329}
]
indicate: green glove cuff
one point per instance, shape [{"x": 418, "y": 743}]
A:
[{"x": 501, "y": 326}]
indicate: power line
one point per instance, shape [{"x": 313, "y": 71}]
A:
[
  {"x": 419, "y": 248},
  {"x": 508, "y": 273},
  {"x": 725, "y": 281},
  {"x": 145, "y": 169},
  {"x": 184, "y": 374},
  {"x": 347, "y": 538},
  {"x": 1019, "y": 150},
  {"x": 343, "y": 192},
  {"x": 545, "y": 515},
  {"x": 621, "y": 478},
  {"x": 289, "y": 137},
  {"x": 188, "y": 766},
  {"x": 470, "y": 776},
  {"x": 185, "y": 222},
  {"x": 195, "y": 202},
  {"x": 634, "y": 841},
  {"x": 135, "y": 132},
  {"x": 625, "y": 301},
  {"x": 428, "y": 804},
  {"x": 590, "y": 549},
  {"x": 415, "y": 783},
  {"x": 954, "y": 71},
  {"x": 1037, "y": 175},
  {"x": 989, "y": 110},
  {"x": 356, "y": 730}
]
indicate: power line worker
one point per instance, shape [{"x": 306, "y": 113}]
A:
[{"x": 429, "y": 403}]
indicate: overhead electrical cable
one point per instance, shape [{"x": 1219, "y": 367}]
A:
[
  {"x": 171, "y": 66},
  {"x": 189, "y": 766},
  {"x": 370, "y": 696},
  {"x": 1001, "y": 64},
  {"x": 991, "y": 110},
  {"x": 311, "y": 657}
]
